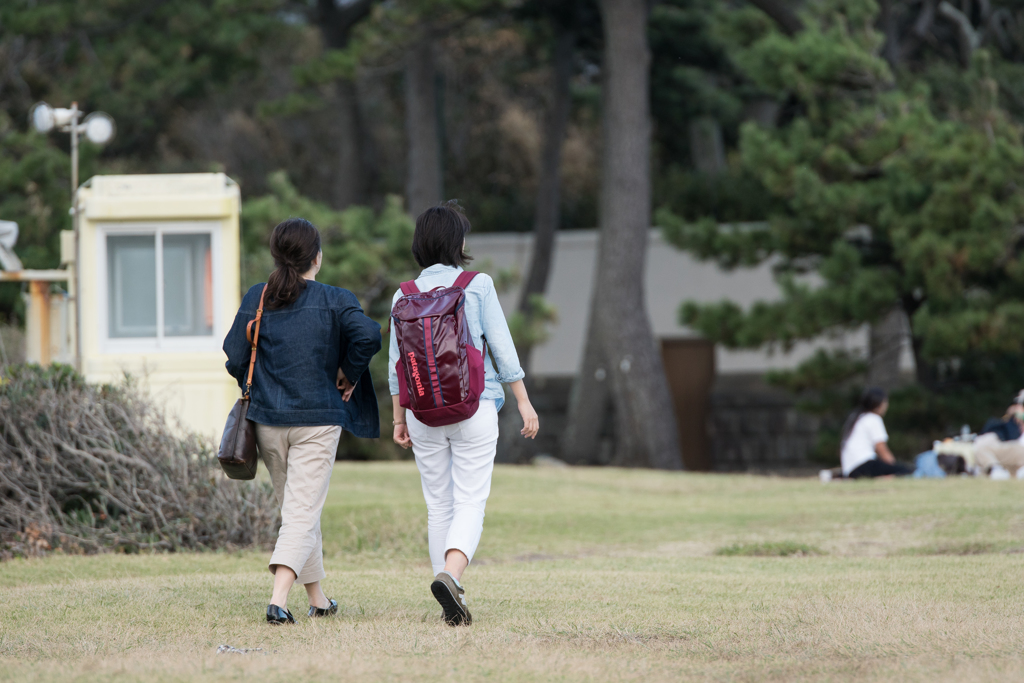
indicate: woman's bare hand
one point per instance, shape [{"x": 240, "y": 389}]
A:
[
  {"x": 884, "y": 454},
  {"x": 344, "y": 386},
  {"x": 531, "y": 423},
  {"x": 402, "y": 436}
]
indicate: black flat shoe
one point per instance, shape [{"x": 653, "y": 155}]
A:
[
  {"x": 325, "y": 612},
  {"x": 279, "y": 615}
]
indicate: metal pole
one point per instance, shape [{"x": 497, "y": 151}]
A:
[
  {"x": 39, "y": 293},
  {"x": 74, "y": 226}
]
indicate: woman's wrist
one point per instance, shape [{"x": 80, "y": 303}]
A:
[{"x": 519, "y": 391}]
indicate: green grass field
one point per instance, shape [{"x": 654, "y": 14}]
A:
[{"x": 583, "y": 574}]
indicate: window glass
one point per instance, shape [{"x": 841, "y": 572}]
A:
[
  {"x": 188, "y": 285},
  {"x": 131, "y": 273}
]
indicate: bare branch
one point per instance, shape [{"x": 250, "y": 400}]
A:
[
  {"x": 970, "y": 38},
  {"x": 88, "y": 468},
  {"x": 925, "y": 19}
]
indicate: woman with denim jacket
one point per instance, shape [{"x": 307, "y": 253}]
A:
[
  {"x": 456, "y": 461},
  {"x": 311, "y": 381}
]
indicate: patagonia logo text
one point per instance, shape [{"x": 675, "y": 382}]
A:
[{"x": 416, "y": 374}]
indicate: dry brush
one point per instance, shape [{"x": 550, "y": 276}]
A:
[{"x": 88, "y": 468}]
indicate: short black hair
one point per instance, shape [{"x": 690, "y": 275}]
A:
[
  {"x": 872, "y": 398},
  {"x": 440, "y": 234}
]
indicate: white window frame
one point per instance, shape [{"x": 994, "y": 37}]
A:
[{"x": 159, "y": 343}]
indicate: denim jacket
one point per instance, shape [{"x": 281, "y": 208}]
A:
[
  {"x": 300, "y": 349},
  {"x": 485, "y": 319}
]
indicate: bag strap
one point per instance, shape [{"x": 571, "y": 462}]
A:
[
  {"x": 465, "y": 277},
  {"x": 254, "y": 338}
]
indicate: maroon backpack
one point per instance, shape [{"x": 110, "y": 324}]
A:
[{"x": 440, "y": 372}]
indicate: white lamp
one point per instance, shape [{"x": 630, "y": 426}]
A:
[
  {"x": 41, "y": 117},
  {"x": 99, "y": 127}
]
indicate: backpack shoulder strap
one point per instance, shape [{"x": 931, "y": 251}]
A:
[
  {"x": 465, "y": 277},
  {"x": 410, "y": 287}
]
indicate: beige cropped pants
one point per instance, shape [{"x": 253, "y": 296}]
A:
[
  {"x": 989, "y": 451},
  {"x": 300, "y": 461}
]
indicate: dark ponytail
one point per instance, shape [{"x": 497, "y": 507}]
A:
[
  {"x": 294, "y": 244},
  {"x": 869, "y": 400}
]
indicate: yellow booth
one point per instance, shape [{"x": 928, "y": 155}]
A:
[{"x": 159, "y": 278}]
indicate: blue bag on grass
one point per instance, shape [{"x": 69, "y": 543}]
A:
[{"x": 927, "y": 464}]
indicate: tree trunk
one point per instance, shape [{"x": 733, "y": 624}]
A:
[
  {"x": 970, "y": 38},
  {"x": 423, "y": 183},
  {"x": 645, "y": 419},
  {"x": 336, "y": 23},
  {"x": 588, "y": 403},
  {"x": 547, "y": 211},
  {"x": 707, "y": 148},
  {"x": 888, "y": 335},
  {"x": 350, "y": 181},
  {"x": 891, "y": 51},
  {"x": 781, "y": 14}
]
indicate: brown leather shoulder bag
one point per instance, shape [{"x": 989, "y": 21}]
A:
[{"x": 237, "y": 454}]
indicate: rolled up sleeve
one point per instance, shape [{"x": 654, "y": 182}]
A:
[
  {"x": 499, "y": 338},
  {"x": 393, "y": 351}
]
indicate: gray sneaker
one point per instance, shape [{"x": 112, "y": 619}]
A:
[{"x": 452, "y": 597}]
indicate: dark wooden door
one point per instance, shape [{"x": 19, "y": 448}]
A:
[{"x": 690, "y": 366}]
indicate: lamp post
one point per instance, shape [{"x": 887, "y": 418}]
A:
[{"x": 99, "y": 128}]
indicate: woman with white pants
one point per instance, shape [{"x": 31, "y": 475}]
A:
[{"x": 456, "y": 461}]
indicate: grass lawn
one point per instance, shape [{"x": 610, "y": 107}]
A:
[{"x": 583, "y": 574}]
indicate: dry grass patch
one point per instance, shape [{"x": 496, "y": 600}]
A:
[
  {"x": 553, "y": 602},
  {"x": 770, "y": 549}
]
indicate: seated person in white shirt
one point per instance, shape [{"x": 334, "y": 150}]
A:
[
  {"x": 989, "y": 451},
  {"x": 865, "y": 449}
]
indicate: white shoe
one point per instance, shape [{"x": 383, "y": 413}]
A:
[{"x": 999, "y": 473}]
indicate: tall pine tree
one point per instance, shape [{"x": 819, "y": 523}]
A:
[{"x": 879, "y": 202}]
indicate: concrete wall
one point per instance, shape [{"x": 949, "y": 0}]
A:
[
  {"x": 750, "y": 426},
  {"x": 671, "y": 277}
]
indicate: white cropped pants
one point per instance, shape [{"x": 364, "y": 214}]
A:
[{"x": 455, "y": 463}]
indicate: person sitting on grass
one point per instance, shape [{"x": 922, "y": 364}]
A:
[
  {"x": 991, "y": 451},
  {"x": 865, "y": 451}
]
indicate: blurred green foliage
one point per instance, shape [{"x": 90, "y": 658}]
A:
[
  {"x": 365, "y": 251},
  {"x": 135, "y": 60},
  {"x": 139, "y": 62},
  {"x": 529, "y": 330},
  {"x": 693, "y": 73},
  {"x": 879, "y": 199}
]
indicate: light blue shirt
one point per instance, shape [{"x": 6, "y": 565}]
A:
[{"x": 485, "y": 319}]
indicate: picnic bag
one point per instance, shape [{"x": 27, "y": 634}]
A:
[
  {"x": 237, "y": 455},
  {"x": 440, "y": 372}
]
